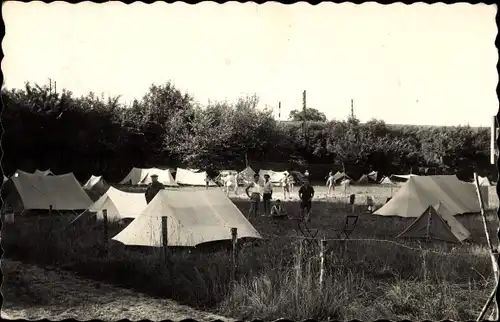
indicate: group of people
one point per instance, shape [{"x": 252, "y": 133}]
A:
[{"x": 258, "y": 189}]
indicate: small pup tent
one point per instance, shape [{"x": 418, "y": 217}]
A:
[
  {"x": 373, "y": 175},
  {"x": 34, "y": 192},
  {"x": 340, "y": 175},
  {"x": 363, "y": 180},
  {"x": 119, "y": 204},
  {"x": 246, "y": 176},
  {"x": 190, "y": 178},
  {"x": 274, "y": 176},
  {"x": 483, "y": 181},
  {"x": 96, "y": 182},
  {"x": 386, "y": 180},
  {"x": 401, "y": 177},
  {"x": 193, "y": 218},
  {"x": 43, "y": 173},
  {"x": 141, "y": 176},
  {"x": 437, "y": 223}
]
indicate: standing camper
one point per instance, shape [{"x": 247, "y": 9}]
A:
[
  {"x": 253, "y": 191},
  {"x": 267, "y": 195},
  {"x": 153, "y": 188}
]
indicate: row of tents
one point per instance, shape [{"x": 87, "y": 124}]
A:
[{"x": 194, "y": 217}]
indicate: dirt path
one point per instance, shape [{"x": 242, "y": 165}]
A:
[{"x": 32, "y": 292}]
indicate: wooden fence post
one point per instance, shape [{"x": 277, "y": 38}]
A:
[
  {"x": 298, "y": 272},
  {"x": 164, "y": 237},
  {"x": 50, "y": 219},
  {"x": 234, "y": 253},
  {"x": 105, "y": 229},
  {"x": 322, "y": 264}
]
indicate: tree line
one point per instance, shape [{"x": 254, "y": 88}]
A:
[{"x": 93, "y": 135}]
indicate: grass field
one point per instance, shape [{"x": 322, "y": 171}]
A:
[{"x": 364, "y": 279}]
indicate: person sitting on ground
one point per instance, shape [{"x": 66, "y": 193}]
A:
[
  {"x": 330, "y": 183},
  {"x": 277, "y": 210},
  {"x": 253, "y": 191},
  {"x": 153, "y": 188},
  {"x": 306, "y": 193}
]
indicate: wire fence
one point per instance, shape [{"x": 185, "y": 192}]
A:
[{"x": 417, "y": 249}]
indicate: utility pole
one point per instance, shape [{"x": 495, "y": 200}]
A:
[
  {"x": 279, "y": 111},
  {"x": 50, "y": 86},
  {"x": 304, "y": 108},
  {"x": 352, "y": 108}
]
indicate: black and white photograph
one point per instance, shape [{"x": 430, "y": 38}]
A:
[{"x": 246, "y": 161}]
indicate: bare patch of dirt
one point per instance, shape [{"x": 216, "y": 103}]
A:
[{"x": 31, "y": 292}]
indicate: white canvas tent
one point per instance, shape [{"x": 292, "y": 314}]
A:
[
  {"x": 142, "y": 176},
  {"x": 483, "y": 181},
  {"x": 373, "y": 175},
  {"x": 190, "y": 178},
  {"x": 401, "y": 177},
  {"x": 95, "y": 182},
  {"x": 437, "y": 223},
  {"x": 194, "y": 217},
  {"x": 421, "y": 191},
  {"x": 386, "y": 180},
  {"x": 43, "y": 173},
  {"x": 363, "y": 180},
  {"x": 466, "y": 192},
  {"x": 340, "y": 175},
  {"x": 274, "y": 176},
  {"x": 35, "y": 192},
  {"x": 246, "y": 175},
  {"x": 119, "y": 204}
]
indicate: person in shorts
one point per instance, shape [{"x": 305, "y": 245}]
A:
[
  {"x": 267, "y": 195},
  {"x": 253, "y": 191},
  {"x": 330, "y": 183},
  {"x": 306, "y": 193}
]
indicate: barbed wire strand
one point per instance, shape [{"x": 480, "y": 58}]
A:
[{"x": 374, "y": 240}]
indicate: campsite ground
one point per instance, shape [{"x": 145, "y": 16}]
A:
[
  {"x": 31, "y": 292},
  {"x": 365, "y": 279}
]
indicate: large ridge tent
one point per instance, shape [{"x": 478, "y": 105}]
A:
[
  {"x": 95, "y": 182},
  {"x": 194, "y": 217},
  {"x": 35, "y": 192},
  {"x": 43, "y": 173},
  {"x": 437, "y": 223},
  {"x": 274, "y": 176},
  {"x": 190, "y": 178},
  {"x": 465, "y": 191},
  {"x": 421, "y": 191},
  {"x": 142, "y": 176},
  {"x": 119, "y": 204}
]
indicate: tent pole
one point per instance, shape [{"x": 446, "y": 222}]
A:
[{"x": 493, "y": 252}]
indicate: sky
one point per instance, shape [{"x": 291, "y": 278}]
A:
[{"x": 404, "y": 64}]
